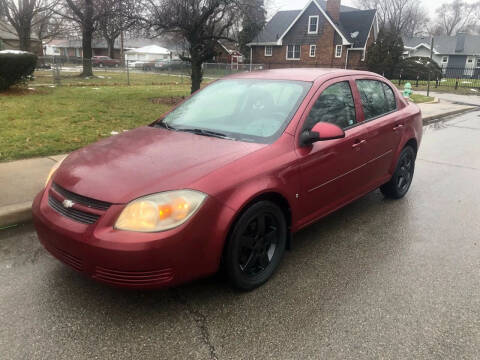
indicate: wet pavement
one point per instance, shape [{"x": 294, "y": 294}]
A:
[{"x": 377, "y": 279}]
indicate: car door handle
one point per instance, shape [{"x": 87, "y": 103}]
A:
[
  {"x": 359, "y": 143},
  {"x": 398, "y": 127}
]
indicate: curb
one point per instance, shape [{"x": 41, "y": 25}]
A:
[
  {"x": 435, "y": 118},
  {"x": 434, "y": 101},
  {"x": 15, "y": 214}
]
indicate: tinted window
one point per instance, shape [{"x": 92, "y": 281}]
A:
[
  {"x": 391, "y": 102},
  {"x": 377, "y": 98},
  {"x": 335, "y": 105}
]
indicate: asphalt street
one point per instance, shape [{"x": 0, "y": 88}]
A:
[{"x": 377, "y": 279}]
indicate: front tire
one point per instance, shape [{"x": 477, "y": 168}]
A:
[
  {"x": 401, "y": 180},
  {"x": 256, "y": 245}
]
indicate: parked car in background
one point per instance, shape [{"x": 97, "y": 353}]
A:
[
  {"x": 227, "y": 177},
  {"x": 105, "y": 61},
  {"x": 142, "y": 65}
]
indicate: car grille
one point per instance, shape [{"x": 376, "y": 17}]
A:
[
  {"x": 77, "y": 215},
  {"x": 140, "y": 278},
  {"x": 83, "y": 200}
]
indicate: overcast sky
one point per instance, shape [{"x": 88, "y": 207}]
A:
[{"x": 275, "y": 5}]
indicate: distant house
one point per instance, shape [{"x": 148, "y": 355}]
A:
[
  {"x": 9, "y": 39},
  {"x": 227, "y": 52},
  {"x": 73, "y": 48},
  {"x": 457, "y": 55},
  {"x": 322, "y": 34},
  {"x": 148, "y": 53}
]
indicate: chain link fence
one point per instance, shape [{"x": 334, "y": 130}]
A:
[{"x": 58, "y": 71}]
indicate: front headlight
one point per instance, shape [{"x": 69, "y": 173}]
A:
[
  {"x": 52, "y": 171},
  {"x": 160, "y": 212}
]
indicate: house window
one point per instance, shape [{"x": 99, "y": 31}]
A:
[
  {"x": 444, "y": 59},
  {"x": 338, "y": 51},
  {"x": 293, "y": 52},
  {"x": 313, "y": 24},
  {"x": 268, "y": 51},
  {"x": 478, "y": 62},
  {"x": 313, "y": 50}
]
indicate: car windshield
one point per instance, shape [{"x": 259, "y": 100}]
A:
[{"x": 240, "y": 109}]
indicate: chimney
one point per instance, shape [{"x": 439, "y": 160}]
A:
[
  {"x": 333, "y": 9},
  {"x": 460, "y": 44}
]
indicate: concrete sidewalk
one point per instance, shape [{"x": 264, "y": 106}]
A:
[
  {"x": 21, "y": 180},
  {"x": 434, "y": 111}
]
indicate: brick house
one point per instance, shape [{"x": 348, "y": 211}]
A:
[{"x": 323, "y": 34}]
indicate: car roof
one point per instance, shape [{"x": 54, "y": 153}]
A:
[{"x": 298, "y": 74}]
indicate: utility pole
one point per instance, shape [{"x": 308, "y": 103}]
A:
[
  {"x": 122, "y": 55},
  {"x": 431, "y": 56},
  {"x": 121, "y": 33}
]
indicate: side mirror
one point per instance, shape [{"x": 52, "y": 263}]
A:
[{"x": 321, "y": 131}]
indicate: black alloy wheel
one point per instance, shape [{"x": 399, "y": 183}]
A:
[
  {"x": 256, "y": 245},
  {"x": 401, "y": 180}
]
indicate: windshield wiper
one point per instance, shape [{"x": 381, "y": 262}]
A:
[
  {"x": 163, "y": 124},
  {"x": 207, "y": 133}
]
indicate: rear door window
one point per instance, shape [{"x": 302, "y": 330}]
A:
[{"x": 377, "y": 98}]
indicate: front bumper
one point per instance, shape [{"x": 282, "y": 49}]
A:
[{"x": 131, "y": 259}]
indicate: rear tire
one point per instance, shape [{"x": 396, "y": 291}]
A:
[
  {"x": 256, "y": 245},
  {"x": 401, "y": 180}
]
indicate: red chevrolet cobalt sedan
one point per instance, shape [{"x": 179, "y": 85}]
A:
[{"x": 227, "y": 176}]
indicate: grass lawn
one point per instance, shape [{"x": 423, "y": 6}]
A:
[
  {"x": 108, "y": 78},
  {"x": 50, "y": 121},
  {"x": 417, "y": 98}
]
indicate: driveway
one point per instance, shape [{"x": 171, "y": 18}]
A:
[{"x": 377, "y": 279}]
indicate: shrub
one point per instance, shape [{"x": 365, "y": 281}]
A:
[
  {"x": 15, "y": 67},
  {"x": 412, "y": 67},
  {"x": 385, "y": 54}
]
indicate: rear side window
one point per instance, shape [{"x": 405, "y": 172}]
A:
[
  {"x": 335, "y": 105},
  {"x": 377, "y": 98},
  {"x": 390, "y": 96}
]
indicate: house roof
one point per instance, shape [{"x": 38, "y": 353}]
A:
[
  {"x": 460, "y": 44},
  {"x": 102, "y": 44},
  {"x": 8, "y": 32},
  {"x": 351, "y": 20},
  {"x": 151, "y": 49}
]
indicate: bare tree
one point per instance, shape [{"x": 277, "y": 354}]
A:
[
  {"x": 455, "y": 17},
  {"x": 118, "y": 16},
  {"x": 86, "y": 13},
  {"x": 200, "y": 23},
  {"x": 54, "y": 26},
  {"x": 406, "y": 17},
  {"x": 24, "y": 15}
]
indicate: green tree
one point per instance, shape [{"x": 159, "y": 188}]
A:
[
  {"x": 253, "y": 21},
  {"x": 385, "y": 55}
]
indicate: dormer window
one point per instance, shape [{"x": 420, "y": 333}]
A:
[{"x": 313, "y": 24}]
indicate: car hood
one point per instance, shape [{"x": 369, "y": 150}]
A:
[{"x": 145, "y": 161}]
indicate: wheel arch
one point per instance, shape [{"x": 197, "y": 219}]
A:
[
  {"x": 268, "y": 195},
  {"x": 413, "y": 143}
]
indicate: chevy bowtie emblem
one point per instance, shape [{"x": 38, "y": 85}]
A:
[{"x": 68, "y": 203}]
